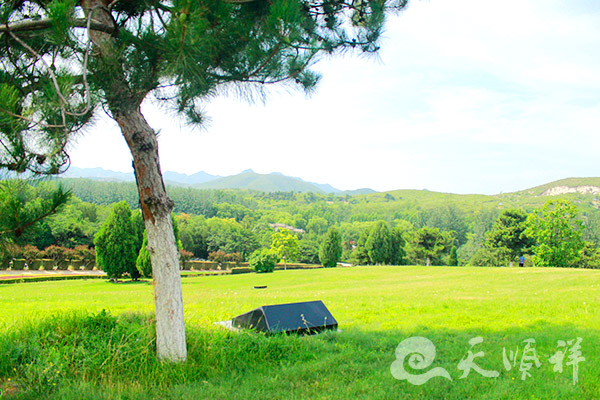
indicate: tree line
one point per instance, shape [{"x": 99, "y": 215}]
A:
[{"x": 235, "y": 231}]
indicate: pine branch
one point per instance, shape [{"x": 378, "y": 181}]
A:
[
  {"x": 59, "y": 199},
  {"x": 30, "y": 26}
]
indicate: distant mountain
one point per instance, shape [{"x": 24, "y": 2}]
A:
[
  {"x": 98, "y": 174},
  {"x": 107, "y": 175},
  {"x": 274, "y": 182},
  {"x": 198, "y": 177},
  {"x": 326, "y": 188},
  {"x": 357, "y": 191},
  {"x": 248, "y": 179}
]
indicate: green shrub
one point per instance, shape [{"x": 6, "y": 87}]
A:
[
  {"x": 116, "y": 244},
  {"x": 453, "y": 258},
  {"x": 589, "y": 257},
  {"x": 143, "y": 262},
  {"x": 241, "y": 270},
  {"x": 263, "y": 260},
  {"x": 488, "y": 257},
  {"x": 331, "y": 249}
]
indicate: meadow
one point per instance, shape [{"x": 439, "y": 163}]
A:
[{"x": 93, "y": 339}]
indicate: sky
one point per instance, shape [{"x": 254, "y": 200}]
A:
[{"x": 465, "y": 96}]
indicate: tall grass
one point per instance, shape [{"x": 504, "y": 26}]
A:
[{"x": 56, "y": 340}]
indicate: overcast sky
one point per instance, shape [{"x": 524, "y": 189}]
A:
[{"x": 466, "y": 96}]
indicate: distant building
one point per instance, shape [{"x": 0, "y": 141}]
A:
[{"x": 279, "y": 226}]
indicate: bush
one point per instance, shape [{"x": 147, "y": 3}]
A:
[
  {"x": 236, "y": 257},
  {"x": 31, "y": 253},
  {"x": 143, "y": 262},
  {"x": 185, "y": 256},
  {"x": 217, "y": 256},
  {"x": 453, "y": 258},
  {"x": 240, "y": 270},
  {"x": 263, "y": 260},
  {"x": 486, "y": 257},
  {"x": 58, "y": 254},
  {"x": 589, "y": 257},
  {"x": 85, "y": 254}
]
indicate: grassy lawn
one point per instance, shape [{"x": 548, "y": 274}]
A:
[{"x": 56, "y": 342}]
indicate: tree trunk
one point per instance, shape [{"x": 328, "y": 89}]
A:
[
  {"x": 156, "y": 209},
  {"x": 124, "y": 103}
]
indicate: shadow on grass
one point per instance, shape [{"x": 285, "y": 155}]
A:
[{"x": 105, "y": 356}]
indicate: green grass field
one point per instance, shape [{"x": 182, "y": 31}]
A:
[{"x": 56, "y": 342}]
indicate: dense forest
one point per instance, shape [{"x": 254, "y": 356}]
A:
[{"x": 419, "y": 227}]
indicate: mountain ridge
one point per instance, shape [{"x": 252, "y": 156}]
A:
[
  {"x": 276, "y": 181},
  {"x": 247, "y": 179}
]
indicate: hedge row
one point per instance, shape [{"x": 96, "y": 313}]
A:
[
  {"x": 44, "y": 278},
  {"x": 49, "y": 265}
]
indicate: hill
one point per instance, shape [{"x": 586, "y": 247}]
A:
[
  {"x": 568, "y": 185},
  {"x": 248, "y": 179},
  {"x": 398, "y": 204},
  {"x": 274, "y": 182},
  {"x": 100, "y": 174}
]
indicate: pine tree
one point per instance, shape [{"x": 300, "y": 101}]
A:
[
  {"x": 453, "y": 257},
  {"x": 23, "y": 207},
  {"x": 331, "y": 249},
  {"x": 508, "y": 236},
  {"x": 63, "y": 60},
  {"x": 143, "y": 262},
  {"x": 426, "y": 245},
  {"x": 116, "y": 243},
  {"x": 397, "y": 243},
  {"x": 379, "y": 244},
  {"x": 360, "y": 255}
]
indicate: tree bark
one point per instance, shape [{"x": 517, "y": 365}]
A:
[
  {"x": 156, "y": 209},
  {"x": 124, "y": 103}
]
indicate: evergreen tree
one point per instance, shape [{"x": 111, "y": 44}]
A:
[
  {"x": 24, "y": 207},
  {"x": 331, "y": 249},
  {"x": 453, "y": 257},
  {"x": 194, "y": 234},
  {"x": 427, "y": 245},
  {"x": 116, "y": 243},
  {"x": 508, "y": 236},
  {"x": 143, "y": 262},
  {"x": 308, "y": 249},
  {"x": 379, "y": 243},
  {"x": 360, "y": 255},
  {"x": 63, "y": 60},
  {"x": 397, "y": 243}
]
